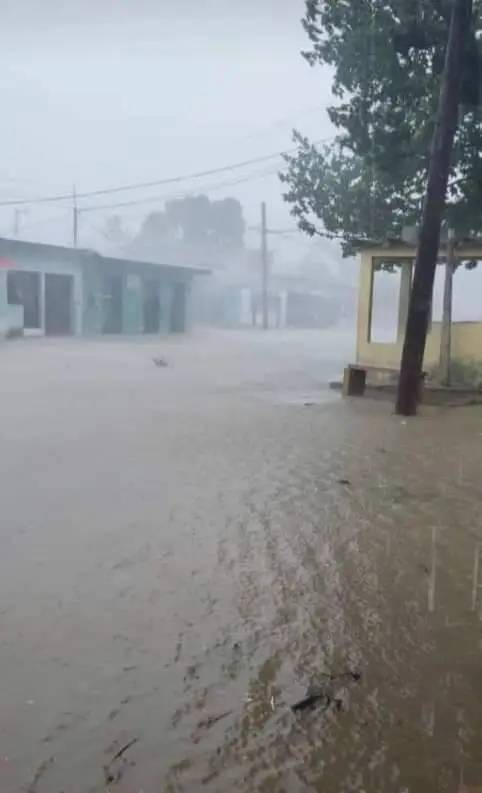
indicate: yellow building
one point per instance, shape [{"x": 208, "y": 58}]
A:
[{"x": 381, "y": 358}]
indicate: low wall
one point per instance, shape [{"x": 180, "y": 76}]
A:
[
  {"x": 467, "y": 341},
  {"x": 466, "y": 348}
]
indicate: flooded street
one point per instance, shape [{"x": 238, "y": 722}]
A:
[{"x": 190, "y": 549}]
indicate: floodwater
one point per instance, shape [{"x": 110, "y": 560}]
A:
[{"x": 188, "y": 549}]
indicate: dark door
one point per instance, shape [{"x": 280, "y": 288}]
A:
[
  {"x": 151, "y": 305},
  {"x": 58, "y": 304},
  {"x": 112, "y": 304},
  {"x": 23, "y": 289},
  {"x": 178, "y": 309}
]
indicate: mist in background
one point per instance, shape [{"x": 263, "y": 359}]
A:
[{"x": 107, "y": 92}]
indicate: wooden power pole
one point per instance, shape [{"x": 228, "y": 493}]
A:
[
  {"x": 426, "y": 261},
  {"x": 16, "y": 221},
  {"x": 75, "y": 219},
  {"x": 264, "y": 265}
]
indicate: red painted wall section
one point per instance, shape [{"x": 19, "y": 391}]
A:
[{"x": 6, "y": 264}]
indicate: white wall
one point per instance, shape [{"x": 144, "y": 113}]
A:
[{"x": 45, "y": 265}]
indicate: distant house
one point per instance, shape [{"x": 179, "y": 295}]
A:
[
  {"x": 52, "y": 290},
  {"x": 292, "y": 302}
]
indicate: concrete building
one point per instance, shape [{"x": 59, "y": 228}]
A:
[
  {"x": 51, "y": 290},
  {"x": 382, "y": 315},
  {"x": 294, "y": 301}
]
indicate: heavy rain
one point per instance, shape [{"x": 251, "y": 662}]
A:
[{"x": 240, "y": 397}]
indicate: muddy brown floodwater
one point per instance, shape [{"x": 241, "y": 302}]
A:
[{"x": 190, "y": 550}]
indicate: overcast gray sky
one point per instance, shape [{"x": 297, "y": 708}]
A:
[{"x": 102, "y": 92}]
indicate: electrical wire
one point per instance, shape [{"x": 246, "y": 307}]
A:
[
  {"x": 284, "y": 121},
  {"x": 184, "y": 194},
  {"x": 45, "y": 221},
  {"x": 155, "y": 183}
]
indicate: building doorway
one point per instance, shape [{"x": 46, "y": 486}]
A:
[
  {"x": 58, "y": 304},
  {"x": 151, "y": 305},
  {"x": 23, "y": 289},
  {"x": 177, "y": 322},
  {"x": 112, "y": 301}
]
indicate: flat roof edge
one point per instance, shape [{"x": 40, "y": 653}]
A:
[{"x": 83, "y": 253}]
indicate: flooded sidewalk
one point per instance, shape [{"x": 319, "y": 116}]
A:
[
  {"x": 189, "y": 552},
  {"x": 364, "y": 560}
]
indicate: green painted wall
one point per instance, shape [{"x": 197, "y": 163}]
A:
[
  {"x": 132, "y": 302},
  {"x": 90, "y": 308}
]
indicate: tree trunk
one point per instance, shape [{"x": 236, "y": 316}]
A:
[{"x": 426, "y": 261}]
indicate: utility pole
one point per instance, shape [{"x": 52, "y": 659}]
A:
[
  {"x": 446, "y": 335},
  {"x": 16, "y": 221},
  {"x": 264, "y": 265},
  {"x": 426, "y": 261},
  {"x": 75, "y": 218}
]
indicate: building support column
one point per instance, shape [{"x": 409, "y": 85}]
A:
[
  {"x": 187, "y": 307},
  {"x": 3, "y": 303},
  {"x": 404, "y": 298},
  {"x": 77, "y": 304},
  {"x": 42, "y": 301},
  {"x": 446, "y": 334},
  {"x": 132, "y": 305},
  {"x": 365, "y": 300},
  {"x": 165, "y": 301}
]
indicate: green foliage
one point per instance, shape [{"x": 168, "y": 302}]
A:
[
  {"x": 114, "y": 230},
  {"x": 466, "y": 373},
  {"x": 195, "y": 220},
  {"x": 227, "y": 222},
  {"x": 387, "y": 58}
]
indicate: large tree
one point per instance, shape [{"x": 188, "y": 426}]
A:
[
  {"x": 195, "y": 220},
  {"x": 386, "y": 58}
]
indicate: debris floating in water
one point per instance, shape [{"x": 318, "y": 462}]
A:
[
  {"x": 110, "y": 777},
  {"x": 310, "y": 701},
  {"x": 160, "y": 362},
  {"x": 322, "y": 696},
  {"x": 39, "y": 773},
  {"x": 206, "y": 724}
]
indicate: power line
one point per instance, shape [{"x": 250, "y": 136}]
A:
[
  {"x": 296, "y": 230},
  {"x": 45, "y": 221},
  {"x": 282, "y": 232},
  {"x": 155, "y": 183},
  {"x": 171, "y": 196},
  {"x": 282, "y": 122}
]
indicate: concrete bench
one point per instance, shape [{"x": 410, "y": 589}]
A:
[{"x": 354, "y": 380}]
